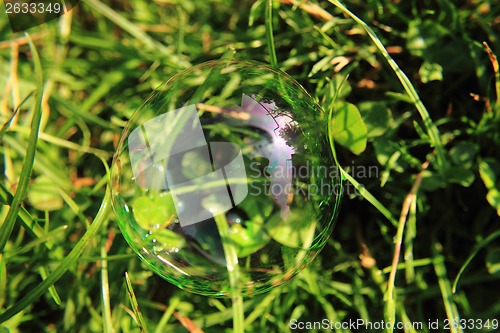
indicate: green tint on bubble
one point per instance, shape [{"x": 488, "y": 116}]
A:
[{"x": 223, "y": 180}]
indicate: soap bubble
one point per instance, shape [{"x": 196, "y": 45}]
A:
[{"x": 224, "y": 180}]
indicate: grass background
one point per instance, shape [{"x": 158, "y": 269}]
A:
[{"x": 101, "y": 60}]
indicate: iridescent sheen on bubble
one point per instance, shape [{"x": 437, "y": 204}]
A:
[{"x": 236, "y": 140}]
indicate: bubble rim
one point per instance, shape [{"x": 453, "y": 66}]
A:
[{"x": 319, "y": 240}]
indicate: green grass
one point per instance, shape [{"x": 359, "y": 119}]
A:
[{"x": 419, "y": 242}]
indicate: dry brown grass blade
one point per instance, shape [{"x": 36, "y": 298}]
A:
[
  {"x": 310, "y": 8},
  {"x": 187, "y": 323},
  {"x": 410, "y": 197}
]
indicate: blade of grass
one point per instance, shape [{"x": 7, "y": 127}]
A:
[
  {"x": 106, "y": 303},
  {"x": 416, "y": 263},
  {"x": 410, "y": 235},
  {"x": 135, "y": 31},
  {"x": 3, "y": 280},
  {"x": 219, "y": 318},
  {"x": 445, "y": 287},
  {"x": 369, "y": 197},
  {"x": 496, "y": 69},
  {"x": 269, "y": 34},
  {"x": 109, "y": 80},
  {"x": 264, "y": 304},
  {"x": 52, "y": 290},
  {"x": 67, "y": 144},
  {"x": 478, "y": 248},
  {"x": 233, "y": 270},
  {"x": 174, "y": 301},
  {"x": 359, "y": 299},
  {"x": 139, "y": 319},
  {"x": 125, "y": 24},
  {"x": 24, "y": 178},
  {"x": 42, "y": 164},
  {"x": 7, "y": 124},
  {"x": 75, "y": 110},
  {"x": 57, "y": 232},
  {"x": 27, "y": 221},
  {"x": 14, "y": 78},
  {"x": 432, "y": 130},
  {"x": 69, "y": 261},
  {"x": 47, "y": 167},
  {"x": 406, "y": 320}
]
